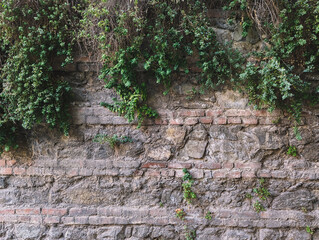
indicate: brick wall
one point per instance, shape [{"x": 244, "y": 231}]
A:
[{"x": 58, "y": 187}]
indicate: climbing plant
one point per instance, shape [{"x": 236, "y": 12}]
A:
[
  {"x": 276, "y": 79},
  {"x": 32, "y": 35},
  {"x": 155, "y": 37}
]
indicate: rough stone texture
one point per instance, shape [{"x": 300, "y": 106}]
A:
[{"x": 58, "y": 187}]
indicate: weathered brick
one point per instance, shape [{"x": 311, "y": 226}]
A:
[
  {"x": 51, "y": 220},
  {"x": 28, "y": 211},
  {"x": 2, "y": 163},
  {"x": 248, "y": 174},
  {"x": 176, "y": 121},
  {"x": 250, "y": 121},
  {"x": 278, "y": 174},
  {"x": 67, "y": 220},
  {"x": 4, "y": 211},
  {"x": 237, "y": 113},
  {"x": 97, "y": 220},
  {"x": 5, "y": 171},
  {"x": 10, "y": 163},
  {"x": 234, "y": 120},
  {"x": 85, "y": 172},
  {"x": 23, "y": 218},
  {"x": 81, "y": 220},
  {"x": 161, "y": 121},
  {"x": 54, "y": 211},
  {"x": 179, "y": 165},
  {"x": 206, "y": 120},
  {"x": 251, "y": 165},
  {"x": 19, "y": 171},
  {"x": 219, "y": 174},
  {"x": 264, "y": 174},
  {"x": 191, "y": 121},
  {"x": 153, "y": 165},
  {"x": 196, "y": 173},
  {"x": 214, "y": 113},
  {"x": 220, "y": 121},
  {"x": 167, "y": 173},
  {"x": 152, "y": 173},
  {"x": 228, "y": 165},
  {"x": 208, "y": 165},
  {"x": 234, "y": 174},
  {"x": 82, "y": 211}
]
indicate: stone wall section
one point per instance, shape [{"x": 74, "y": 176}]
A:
[{"x": 69, "y": 187}]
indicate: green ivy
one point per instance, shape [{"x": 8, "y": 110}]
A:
[
  {"x": 156, "y": 37},
  {"x": 276, "y": 79},
  {"x": 32, "y": 36}
]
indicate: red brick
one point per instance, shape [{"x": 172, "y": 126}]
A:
[
  {"x": 11, "y": 163},
  {"x": 248, "y": 174},
  {"x": 264, "y": 174},
  {"x": 250, "y": 121},
  {"x": 152, "y": 173},
  {"x": 228, "y": 165},
  {"x": 2, "y": 163},
  {"x": 179, "y": 165},
  {"x": 23, "y": 218},
  {"x": 219, "y": 174},
  {"x": 206, "y": 120},
  {"x": 214, "y": 113},
  {"x": 28, "y": 211},
  {"x": 19, "y": 171},
  {"x": 154, "y": 165},
  {"x": 234, "y": 120},
  {"x": 5, "y": 171},
  {"x": 54, "y": 211},
  {"x": 6, "y": 211},
  {"x": 176, "y": 121},
  {"x": 52, "y": 220},
  {"x": 208, "y": 165},
  {"x": 234, "y": 174},
  {"x": 221, "y": 121},
  {"x": 191, "y": 113},
  {"x": 237, "y": 113},
  {"x": 191, "y": 121}
]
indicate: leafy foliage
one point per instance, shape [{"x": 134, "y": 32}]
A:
[
  {"x": 32, "y": 34},
  {"x": 113, "y": 140},
  {"x": 156, "y": 37},
  {"x": 276, "y": 78},
  {"x": 292, "y": 151},
  {"x": 187, "y": 187}
]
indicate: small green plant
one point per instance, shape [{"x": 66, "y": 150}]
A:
[
  {"x": 309, "y": 230},
  {"x": 189, "y": 234},
  {"x": 161, "y": 204},
  {"x": 292, "y": 151},
  {"x": 208, "y": 215},
  {"x": 258, "y": 207},
  {"x": 187, "y": 187},
  {"x": 113, "y": 140},
  {"x": 180, "y": 213},
  {"x": 304, "y": 209},
  {"x": 261, "y": 191},
  {"x": 248, "y": 196}
]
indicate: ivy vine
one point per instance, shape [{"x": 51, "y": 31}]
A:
[{"x": 32, "y": 36}]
